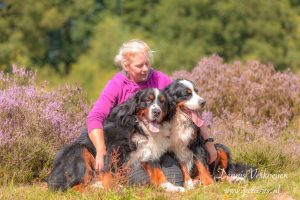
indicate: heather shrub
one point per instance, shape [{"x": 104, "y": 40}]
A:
[
  {"x": 250, "y": 108},
  {"x": 254, "y": 90},
  {"x": 34, "y": 123}
]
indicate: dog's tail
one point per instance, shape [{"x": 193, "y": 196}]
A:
[
  {"x": 66, "y": 162},
  {"x": 69, "y": 166},
  {"x": 243, "y": 170},
  {"x": 237, "y": 171}
]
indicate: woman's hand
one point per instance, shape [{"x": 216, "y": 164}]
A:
[
  {"x": 209, "y": 146},
  {"x": 99, "y": 165},
  {"x": 97, "y": 138}
]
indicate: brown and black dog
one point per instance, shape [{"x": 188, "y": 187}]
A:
[
  {"x": 138, "y": 130},
  {"x": 187, "y": 143}
]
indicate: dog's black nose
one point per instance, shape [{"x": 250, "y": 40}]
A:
[
  {"x": 156, "y": 112},
  {"x": 202, "y": 102}
]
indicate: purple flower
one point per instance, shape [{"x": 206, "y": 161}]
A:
[{"x": 29, "y": 109}]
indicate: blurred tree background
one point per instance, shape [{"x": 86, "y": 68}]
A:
[{"x": 76, "y": 40}]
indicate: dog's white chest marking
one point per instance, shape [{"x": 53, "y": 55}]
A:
[
  {"x": 153, "y": 146},
  {"x": 182, "y": 130},
  {"x": 182, "y": 134}
]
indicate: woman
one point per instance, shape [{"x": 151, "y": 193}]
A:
[{"x": 134, "y": 58}]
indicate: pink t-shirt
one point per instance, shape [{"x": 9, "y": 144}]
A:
[{"x": 118, "y": 90}]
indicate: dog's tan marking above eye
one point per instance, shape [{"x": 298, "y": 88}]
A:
[
  {"x": 162, "y": 99},
  {"x": 189, "y": 91},
  {"x": 151, "y": 97}
]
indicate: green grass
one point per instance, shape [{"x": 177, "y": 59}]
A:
[{"x": 264, "y": 188}]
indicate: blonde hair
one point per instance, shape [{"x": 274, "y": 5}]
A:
[{"x": 129, "y": 49}]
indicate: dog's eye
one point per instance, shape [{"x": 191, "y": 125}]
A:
[
  {"x": 162, "y": 99},
  {"x": 148, "y": 100},
  {"x": 196, "y": 90},
  {"x": 188, "y": 93}
]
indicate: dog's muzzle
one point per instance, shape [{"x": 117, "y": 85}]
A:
[
  {"x": 202, "y": 103},
  {"x": 155, "y": 112}
]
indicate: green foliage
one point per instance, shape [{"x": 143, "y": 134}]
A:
[
  {"x": 57, "y": 34},
  {"x": 30, "y": 159},
  {"x": 95, "y": 67},
  {"x": 269, "y": 157},
  {"x": 285, "y": 188},
  {"x": 44, "y": 32},
  {"x": 244, "y": 30}
]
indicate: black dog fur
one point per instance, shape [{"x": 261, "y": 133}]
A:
[{"x": 69, "y": 167}]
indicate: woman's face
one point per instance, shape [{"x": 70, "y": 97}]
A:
[{"x": 138, "y": 69}]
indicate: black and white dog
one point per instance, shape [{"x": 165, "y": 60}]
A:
[
  {"x": 184, "y": 130},
  {"x": 187, "y": 142},
  {"x": 138, "y": 129}
]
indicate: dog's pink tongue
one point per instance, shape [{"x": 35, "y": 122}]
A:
[
  {"x": 153, "y": 126},
  {"x": 197, "y": 119}
]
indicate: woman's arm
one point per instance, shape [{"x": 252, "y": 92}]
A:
[
  {"x": 101, "y": 109},
  {"x": 209, "y": 146},
  {"x": 97, "y": 138},
  {"x": 96, "y": 117}
]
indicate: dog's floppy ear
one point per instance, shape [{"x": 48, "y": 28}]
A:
[
  {"x": 131, "y": 108},
  {"x": 169, "y": 91},
  {"x": 124, "y": 114},
  {"x": 171, "y": 106},
  {"x": 140, "y": 104},
  {"x": 128, "y": 112},
  {"x": 171, "y": 88}
]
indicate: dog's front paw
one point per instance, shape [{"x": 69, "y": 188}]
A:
[
  {"x": 196, "y": 182},
  {"x": 98, "y": 184},
  {"x": 207, "y": 181},
  {"x": 189, "y": 184},
  {"x": 171, "y": 188}
]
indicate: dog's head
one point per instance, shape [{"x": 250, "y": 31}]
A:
[
  {"x": 188, "y": 102},
  {"x": 151, "y": 107}
]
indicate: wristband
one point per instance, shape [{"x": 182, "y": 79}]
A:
[{"x": 209, "y": 140}]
